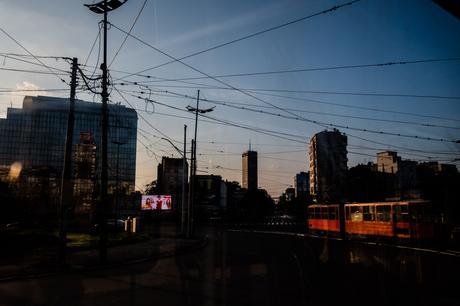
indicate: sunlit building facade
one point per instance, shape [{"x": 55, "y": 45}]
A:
[
  {"x": 32, "y": 143},
  {"x": 328, "y": 165}
]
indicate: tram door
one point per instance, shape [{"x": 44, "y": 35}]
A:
[{"x": 401, "y": 227}]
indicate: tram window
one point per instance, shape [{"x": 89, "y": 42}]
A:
[
  {"x": 332, "y": 213},
  {"x": 402, "y": 213},
  {"x": 356, "y": 213},
  {"x": 347, "y": 214},
  {"x": 383, "y": 213},
  {"x": 311, "y": 213},
  {"x": 317, "y": 213},
  {"x": 368, "y": 213},
  {"x": 324, "y": 213}
]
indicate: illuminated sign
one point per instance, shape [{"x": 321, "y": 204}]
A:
[{"x": 156, "y": 202}]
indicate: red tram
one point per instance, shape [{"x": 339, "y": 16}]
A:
[{"x": 411, "y": 220}]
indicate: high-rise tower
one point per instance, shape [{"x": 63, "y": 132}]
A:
[{"x": 250, "y": 169}]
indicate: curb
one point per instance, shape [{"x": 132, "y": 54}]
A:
[{"x": 200, "y": 243}]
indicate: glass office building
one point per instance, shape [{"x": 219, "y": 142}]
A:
[{"x": 32, "y": 143}]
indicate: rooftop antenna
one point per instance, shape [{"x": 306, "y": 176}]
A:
[{"x": 249, "y": 144}]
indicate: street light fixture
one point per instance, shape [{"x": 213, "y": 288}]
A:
[
  {"x": 105, "y": 6},
  {"x": 177, "y": 149}
]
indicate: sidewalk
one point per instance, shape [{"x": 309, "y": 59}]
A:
[{"x": 78, "y": 260}]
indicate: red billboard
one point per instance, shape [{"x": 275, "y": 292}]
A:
[{"x": 156, "y": 202}]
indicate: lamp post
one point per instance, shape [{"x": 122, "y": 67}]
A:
[
  {"x": 104, "y": 7},
  {"x": 184, "y": 176},
  {"x": 196, "y": 110}
]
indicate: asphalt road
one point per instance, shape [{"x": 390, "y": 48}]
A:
[{"x": 248, "y": 268}]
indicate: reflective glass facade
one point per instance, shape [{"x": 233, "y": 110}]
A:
[{"x": 32, "y": 142}]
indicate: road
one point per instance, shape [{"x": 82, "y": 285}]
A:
[{"x": 249, "y": 268}]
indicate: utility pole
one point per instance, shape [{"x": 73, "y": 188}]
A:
[
  {"x": 184, "y": 181},
  {"x": 193, "y": 166},
  {"x": 104, "y": 7},
  {"x": 190, "y": 194},
  {"x": 66, "y": 179}
]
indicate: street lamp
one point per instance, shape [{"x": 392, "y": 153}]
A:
[
  {"x": 103, "y": 7},
  {"x": 184, "y": 178},
  {"x": 193, "y": 166}
]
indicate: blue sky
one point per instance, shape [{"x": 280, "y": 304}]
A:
[{"x": 366, "y": 32}]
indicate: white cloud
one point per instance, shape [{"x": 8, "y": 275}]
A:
[
  {"x": 15, "y": 98},
  {"x": 29, "y": 89}
]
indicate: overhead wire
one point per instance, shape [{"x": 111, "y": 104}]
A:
[
  {"x": 127, "y": 36},
  {"x": 205, "y": 74},
  {"x": 30, "y": 53},
  {"x": 226, "y": 122},
  {"x": 13, "y": 57},
  {"x": 232, "y": 104},
  {"x": 140, "y": 116},
  {"x": 257, "y": 92},
  {"x": 328, "y": 124},
  {"x": 329, "y": 10},
  {"x": 288, "y": 71}
]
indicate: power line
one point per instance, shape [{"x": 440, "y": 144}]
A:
[
  {"x": 260, "y": 92},
  {"x": 407, "y": 152},
  {"x": 98, "y": 38},
  {"x": 268, "y": 132},
  {"x": 215, "y": 79},
  {"x": 226, "y": 122},
  {"x": 386, "y": 144},
  {"x": 360, "y": 93},
  {"x": 385, "y": 64},
  {"x": 36, "y": 58},
  {"x": 32, "y": 71},
  {"x": 130, "y": 29},
  {"x": 295, "y": 117},
  {"x": 360, "y": 107},
  {"x": 232, "y": 103},
  {"x": 140, "y": 116},
  {"x": 351, "y": 146},
  {"x": 6, "y": 55},
  {"x": 32, "y": 90},
  {"x": 329, "y": 10},
  {"x": 342, "y": 126}
]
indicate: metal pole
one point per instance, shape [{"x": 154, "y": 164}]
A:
[
  {"x": 66, "y": 180},
  {"x": 184, "y": 183},
  {"x": 117, "y": 187},
  {"x": 196, "y": 114},
  {"x": 104, "y": 164},
  {"x": 190, "y": 193},
  {"x": 192, "y": 225}
]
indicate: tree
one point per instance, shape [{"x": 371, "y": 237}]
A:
[{"x": 152, "y": 188}]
